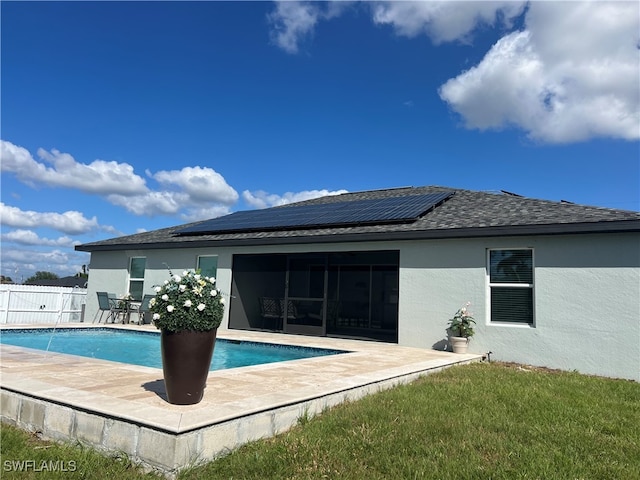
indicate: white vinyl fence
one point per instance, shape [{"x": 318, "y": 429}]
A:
[{"x": 39, "y": 304}]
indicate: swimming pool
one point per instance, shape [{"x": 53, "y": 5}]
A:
[{"x": 143, "y": 348}]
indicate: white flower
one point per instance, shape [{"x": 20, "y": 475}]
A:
[
  {"x": 183, "y": 287},
  {"x": 166, "y": 282},
  {"x": 170, "y": 308},
  {"x": 185, "y": 273},
  {"x": 212, "y": 279},
  {"x": 213, "y": 293},
  {"x": 201, "y": 306},
  {"x": 177, "y": 278},
  {"x": 156, "y": 316},
  {"x": 187, "y": 303},
  {"x": 157, "y": 289},
  {"x": 152, "y": 302},
  {"x": 165, "y": 297},
  {"x": 222, "y": 300},
  {"x": 196, "y": 276}
]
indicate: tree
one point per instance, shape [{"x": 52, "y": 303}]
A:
[
  {"x": 42, "y": 276},
  {"x": 4, "y": 279},
  {"x": 84, "y": 273}
]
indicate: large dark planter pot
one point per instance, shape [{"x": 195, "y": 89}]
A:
[{"x": 186, "y": 357}]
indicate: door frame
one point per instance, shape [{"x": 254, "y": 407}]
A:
[{"x": 321, "y": 331}]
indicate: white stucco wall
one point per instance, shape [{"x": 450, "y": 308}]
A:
[
  {"x": 587, "y": 294},
  {"x": 108, "y": 271},
  {"x": 586, "y": 300}
]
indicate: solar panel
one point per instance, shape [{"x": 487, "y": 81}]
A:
[{"x": 357, "y": 212}]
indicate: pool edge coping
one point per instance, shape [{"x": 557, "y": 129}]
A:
[{"x": 211, "y": 436}]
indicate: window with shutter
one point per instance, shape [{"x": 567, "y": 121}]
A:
[{"x": 511, "y": 286}]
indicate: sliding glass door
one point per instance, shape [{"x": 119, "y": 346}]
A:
[{"x": 343, "y": 294}]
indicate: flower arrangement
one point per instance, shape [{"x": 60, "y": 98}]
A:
[
  {"x": 123, "y": 302},
  {"x": 461, "y": 325},
  {"x": 187, "y": 302}
]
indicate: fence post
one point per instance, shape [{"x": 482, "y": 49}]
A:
[
  {"x": 61, "y": 297},
  {"x": 6, "y": 312}
]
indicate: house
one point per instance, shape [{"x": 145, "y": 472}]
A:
[
  {"x": 71, "y": 281},
  {"x": 550, "y": 283}
]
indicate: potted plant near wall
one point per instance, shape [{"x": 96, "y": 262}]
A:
[
  {"x": 187, "y": 310},
  {"x": 461, "y": 329}
]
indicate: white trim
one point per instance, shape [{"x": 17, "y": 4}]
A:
[
  {"x": 135, "y": 279},
  {"x": 490, "y": 284}
]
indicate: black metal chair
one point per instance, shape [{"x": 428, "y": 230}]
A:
[
  {"x": 291, "y": 310},
  {"x": 270, "y": 310},
  {"x": 106, "y": 304}
]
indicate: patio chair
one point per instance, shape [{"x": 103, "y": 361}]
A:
[
  {"x": 292, "y": 310},
  {"x": 143, "y": 308},
  {"x": 270, "y": 310},
  {"x": 120, "y": 306},
  {"x": 106, "y": 304}
]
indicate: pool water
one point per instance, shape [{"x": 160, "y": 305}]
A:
[{"x": 143, "y": 348}]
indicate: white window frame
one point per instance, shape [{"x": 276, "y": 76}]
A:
[
  {"x": 531, "y": 286},
  {"x": 136, "y": 279}
]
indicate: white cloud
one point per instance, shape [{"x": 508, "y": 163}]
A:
[
  {"x": 204, "y": 213},
  {"x": 444, "y": 21},
  {"x": 262, "y": 199},
  {"x": 21, "y": 264},
  {"x": 151, "y": 203},
  {"x": 570, "y": 76},
  {"x": 70, "y": 222},
  {"x": 293, "y": 21},
  {"x": 29, "y": 237},
  {"x": 186, "y": 190},
  {"x": 200, "y": 184},
  {"x": 170, "y": 204},
  {"x": 98, "y": 177},
  {"x": 33, "y": 258}
]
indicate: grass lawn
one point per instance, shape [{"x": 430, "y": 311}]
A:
[{"x": 485, "y": 421}]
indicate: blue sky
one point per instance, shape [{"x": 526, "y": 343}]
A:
[{"x": 120, "y": 117}]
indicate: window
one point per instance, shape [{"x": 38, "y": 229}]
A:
[
  {"x": 208, "y": 265},
  {"x": 511, "y": 286},
  {"x": 136, "y": 277}
]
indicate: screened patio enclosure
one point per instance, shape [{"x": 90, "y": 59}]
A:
[{"x": 346, "y": 294}]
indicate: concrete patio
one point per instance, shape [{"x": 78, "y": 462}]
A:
[{"x": 119, "y": 407}]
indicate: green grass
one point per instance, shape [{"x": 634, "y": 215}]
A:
[
  {"x": 25, "y": 456},
  {"x": 488, "y": 421}
]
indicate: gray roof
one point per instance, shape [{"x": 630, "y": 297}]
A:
[
  {"x": 466, "y": 214},
  {"x": 73, "y": 281}
]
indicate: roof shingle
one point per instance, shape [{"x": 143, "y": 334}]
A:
[{"x": 466, "y": 213}]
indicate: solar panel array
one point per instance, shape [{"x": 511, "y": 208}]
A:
[{"x": 358, "y": 212}]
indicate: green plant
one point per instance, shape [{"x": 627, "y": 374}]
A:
[
  {"x": 187, "y": 302},
  {"x": 461, "y": 325}
]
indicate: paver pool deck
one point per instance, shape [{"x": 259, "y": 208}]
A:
[{"x": 121, "y": 407}]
